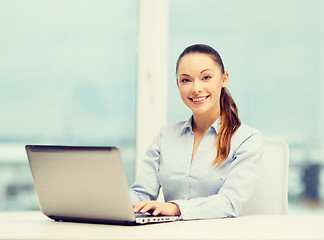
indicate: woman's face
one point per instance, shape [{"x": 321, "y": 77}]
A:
[{"x": 200, "y": 82}]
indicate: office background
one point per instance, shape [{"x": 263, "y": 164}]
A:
[{"x": 68, "y": 75}]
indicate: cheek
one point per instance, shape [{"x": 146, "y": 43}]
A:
[
  {"x": 184, "y": 95},
  {"x": 217, "y": 95},
  {"x": 183, "y": 92},
  {"x": 216, "y": 89}
]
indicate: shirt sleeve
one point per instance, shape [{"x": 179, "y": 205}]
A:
[
  {"x": 147, "y": 185},
  {"x": 238, "y": 184}
]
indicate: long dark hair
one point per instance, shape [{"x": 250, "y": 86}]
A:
[{"x": 230, "y": 121}]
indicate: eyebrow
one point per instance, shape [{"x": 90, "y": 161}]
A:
[
  {"x": 183, "y": 74},
  {"x": 206, "y": 70},
  {"x": 187, "y": 75}
]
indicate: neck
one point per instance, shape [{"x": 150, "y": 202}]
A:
[{"x": 201, "y": 123}]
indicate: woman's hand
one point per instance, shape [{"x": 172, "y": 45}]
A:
[{"x": 156, "y": 208}]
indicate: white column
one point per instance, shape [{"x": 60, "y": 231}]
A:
[{"x": 152, "y": 73}]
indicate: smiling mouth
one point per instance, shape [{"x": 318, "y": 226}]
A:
[{"x": 198, "y": 99}]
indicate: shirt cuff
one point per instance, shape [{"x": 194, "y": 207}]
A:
[{"x": 185, "y": 209}]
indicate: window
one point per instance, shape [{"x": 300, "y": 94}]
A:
[{"x": 68, "y": 77}]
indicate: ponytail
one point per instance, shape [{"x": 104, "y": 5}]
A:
[{"x": 230, "y": 122}]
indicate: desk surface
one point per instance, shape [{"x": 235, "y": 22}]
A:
[{"x": 34, "y": 225}]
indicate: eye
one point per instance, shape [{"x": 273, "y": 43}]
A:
[
  {"x": 185, "y": 80},
  {"x": 206, "y": 77}
]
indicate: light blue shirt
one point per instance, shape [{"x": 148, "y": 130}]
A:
[{"x": 200, "y": 189}]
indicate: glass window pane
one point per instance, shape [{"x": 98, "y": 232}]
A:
[
  {"x": 272, "y": 51},
  {"x": 68, "y": 77}
]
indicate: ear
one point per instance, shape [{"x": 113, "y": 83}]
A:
[{"x": 225, "y": 79}]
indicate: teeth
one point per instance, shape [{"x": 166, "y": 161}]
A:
[{"x": 198, "y": 99}]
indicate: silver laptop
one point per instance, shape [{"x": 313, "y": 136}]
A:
[{"x": 83, "y": 184}]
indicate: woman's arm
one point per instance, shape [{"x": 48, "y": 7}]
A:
[{"x": 147, "y": 186}]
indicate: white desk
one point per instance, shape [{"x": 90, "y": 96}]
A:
[{"x": 33, "y": 225}]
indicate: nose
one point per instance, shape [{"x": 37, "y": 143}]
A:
[{"x": 196, "y": 87}]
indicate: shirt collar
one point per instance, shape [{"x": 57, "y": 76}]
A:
[
  {"x": 188, "y": 125},
  {"x": 216, "y": 125}
]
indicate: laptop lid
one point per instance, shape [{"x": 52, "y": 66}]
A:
[{"x": 80, "y": 183}]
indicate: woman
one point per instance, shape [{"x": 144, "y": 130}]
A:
[{"x": 207, "y": 166}]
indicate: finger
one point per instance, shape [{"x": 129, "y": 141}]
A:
[
  {"x": 157, "y": 211},
  {"x": 139, "y": 206},
  {"x": 148, "y": 207},
  {"x": 135, "y": 209}
]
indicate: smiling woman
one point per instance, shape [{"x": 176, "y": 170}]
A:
[
  {"x": 184, "y": 160},
  {"x": 206, "y": 84}
]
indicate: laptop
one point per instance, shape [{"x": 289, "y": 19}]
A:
[{"x": 84, "y": 184}]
